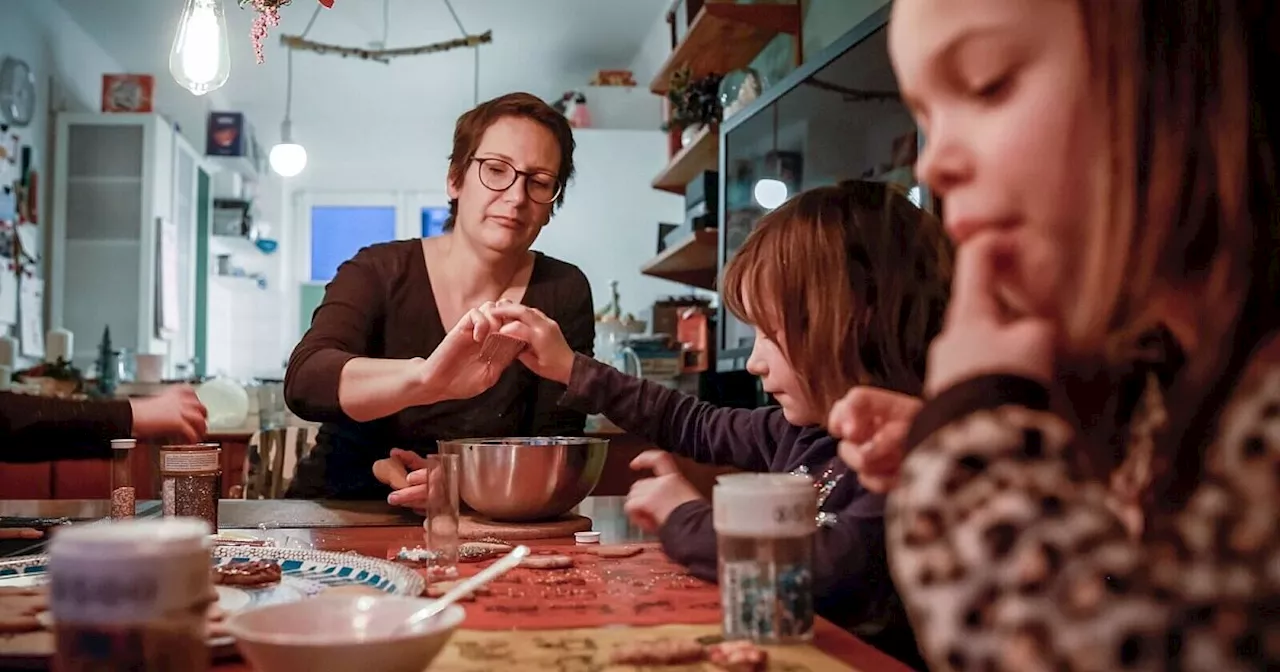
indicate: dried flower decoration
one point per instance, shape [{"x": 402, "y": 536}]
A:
[{"x": 268, "y": 17}]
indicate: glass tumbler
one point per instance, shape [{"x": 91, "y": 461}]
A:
[{"x": 440, "y": 524}]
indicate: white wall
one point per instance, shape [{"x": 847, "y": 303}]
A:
[
  {"x": 653, "y": 52},
  {"x": 608, "y": 225},
  {"x": 826, "y": 20},
  {"x": 68, "y": 67}
]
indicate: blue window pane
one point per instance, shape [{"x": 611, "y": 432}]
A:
[
  {"x": 338, "y": 232},
  {"x": 433, "y": 220}
]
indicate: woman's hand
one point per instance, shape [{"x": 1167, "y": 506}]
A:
[
  {"x": 548, "y": 354},
  {"x": 652, "y": 500},
  {"x": 397, "y": 472},
  {"x": 872, "y": 425},
  {"x": 423, "y": 483},
  {"x": 457, "y": 369},
  {"x": 176, "y": 413},
  {"x": 979, "y": 335}
]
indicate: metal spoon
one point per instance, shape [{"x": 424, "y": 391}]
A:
[{"x": 504, "y": 564}]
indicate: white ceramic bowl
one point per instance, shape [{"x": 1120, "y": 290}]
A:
[{"x": 333, "y": 633}]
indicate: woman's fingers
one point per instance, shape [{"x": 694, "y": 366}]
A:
[
  {"x": 410, "y": 496},
  {"x": 515, "y": 312}
]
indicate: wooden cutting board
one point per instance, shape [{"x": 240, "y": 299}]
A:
[{"x": 473, "y": 526}]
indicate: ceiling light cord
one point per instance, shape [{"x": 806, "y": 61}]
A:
[
  {"x": 314, "y": 14},
  {"x": 288, "y": 87},
  {"x": 386, "y": 23},
  {"x": 475, "y": 84}
]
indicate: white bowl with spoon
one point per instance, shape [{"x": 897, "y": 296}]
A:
[{"x": 339, "y": 633}]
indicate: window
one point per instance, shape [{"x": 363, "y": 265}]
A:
[
  {"x": 338, "y": 232},
  {"x": 331, "y": 227},
  {"x": 433, "y": 219}
]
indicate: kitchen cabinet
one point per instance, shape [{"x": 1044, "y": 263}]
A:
[
  {"x": 91, "y": 479},
  {"x": 123, "y": 238}
]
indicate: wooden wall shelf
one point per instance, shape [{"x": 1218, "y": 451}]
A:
[
  {"x": 725, "y": 37},
  {"x": 692, "y": 261},
  {"x": 701, "y": 154}
]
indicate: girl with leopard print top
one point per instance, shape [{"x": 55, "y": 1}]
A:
[{"x": 1106, "y": 168}]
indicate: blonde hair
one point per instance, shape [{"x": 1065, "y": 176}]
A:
[{"x": 852, "y": 280}]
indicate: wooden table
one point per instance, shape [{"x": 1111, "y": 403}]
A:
[{"x": 378, "y": 530}]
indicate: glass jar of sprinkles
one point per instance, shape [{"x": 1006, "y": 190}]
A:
[
  {"x": 131, "y": 595},
  {"x": 765, "y": 528},
  {"x": 191, "y": 481},
  {"x": 123, "y": 497}
]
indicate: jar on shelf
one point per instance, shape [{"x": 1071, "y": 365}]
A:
[{"x": 191, "y": 481}]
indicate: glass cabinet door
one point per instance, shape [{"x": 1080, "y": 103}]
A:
[{"x": 844, "y": 121}]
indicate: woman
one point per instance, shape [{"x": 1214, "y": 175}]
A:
[
  {"x": 844, "y": 285},
  {"x": 35, "y": 429},
  {"x": 359, "y": 368},
  {"x": 1108, "y": 169}
]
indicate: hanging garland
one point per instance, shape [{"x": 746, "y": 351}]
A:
[
  {"x": 385, "y": 55},
  {"x": 268, "y": 17}
]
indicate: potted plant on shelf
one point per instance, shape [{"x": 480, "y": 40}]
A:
[
  {"x": 695, "y": 103},
  {"x": 54, "y": 379}
]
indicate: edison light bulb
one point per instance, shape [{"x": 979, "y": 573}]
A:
[
  {"x": 287, "y": 158},
  {"x": 200, "y": 59}
]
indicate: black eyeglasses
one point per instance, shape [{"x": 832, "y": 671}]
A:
[{"x": 499, "y": 175}]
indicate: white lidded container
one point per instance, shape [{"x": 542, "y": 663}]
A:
[
  {"x": 131, "y": 595},
  {"x": 765, "y": 524}
]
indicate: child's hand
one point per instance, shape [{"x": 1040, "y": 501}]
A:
[
  {"x": 548, "y": 354},
  {"x": 981, "y": 334},
  {"x": 174, "y": 413},
  {"x": 652, "y": 500},
  {"x": 872, "y": 425}
]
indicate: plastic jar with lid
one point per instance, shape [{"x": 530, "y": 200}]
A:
[
  {"x": 131, "y": 595},
  {"x": 123, "y": 494},
  {"x": 191, "y": 481}
]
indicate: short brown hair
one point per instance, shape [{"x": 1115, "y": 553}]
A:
[
  {"x": 474, "y": 122},
  {"x": 852, "y": 279}
]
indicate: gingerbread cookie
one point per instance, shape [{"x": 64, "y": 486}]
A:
[
  {"x": 19, "y": 606},
  {"x": 252, "y": 574},
  {"x": 658, "y": 653},
  {"x": 547, "y": 562},
  {"x": 614, "y": 552},
  {"x": 479, "y": 551},
  {"x": 738, "y": 656},
  {"x": 439, "y": 588}
]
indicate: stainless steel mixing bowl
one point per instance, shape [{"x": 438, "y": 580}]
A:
[{"x": 521, "y": 479}]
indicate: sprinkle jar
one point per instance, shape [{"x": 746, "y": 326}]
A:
[
  {"x": 123, "y": 495},
  {"x": 191, "y": 481},
  {"x": 131, "y": 595}
]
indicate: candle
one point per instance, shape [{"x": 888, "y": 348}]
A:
[
  {"x": 57, "y": 345},
  {"x": 8, "y": 351}
]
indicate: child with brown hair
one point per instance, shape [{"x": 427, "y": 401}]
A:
[{"x": 845, "y": 286}]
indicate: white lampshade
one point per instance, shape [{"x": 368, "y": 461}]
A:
[
  {"x": 288, "y": 159},
  {"x": 770, "y": 193}
]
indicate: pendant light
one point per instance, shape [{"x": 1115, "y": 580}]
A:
[
  {"x": 770, "y": 192},
  {"x": 200, "y": 59},
  {"x": 288, "y": 158}
]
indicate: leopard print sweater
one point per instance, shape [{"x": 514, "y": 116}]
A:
[{"x": 1009, "y": 559}]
